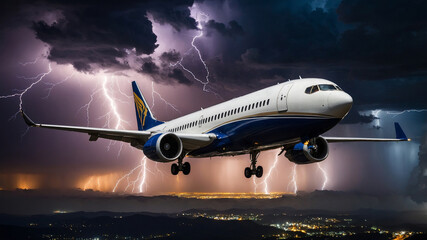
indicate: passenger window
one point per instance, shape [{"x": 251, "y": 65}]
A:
[{"x": 268, "y": 101}]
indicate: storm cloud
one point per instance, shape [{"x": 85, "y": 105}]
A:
[
  {"x": 233, "y": 29},
  {"x": 166, "y": 73},
  {"x": 93, "y": 36},
  {"x": 417, "y": 187}
]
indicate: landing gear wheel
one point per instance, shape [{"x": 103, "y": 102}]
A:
[
  {"x": 248, "y": 172},
  {"x": 174, "y": 169},
  {"x": 186, "y": 168},
  {"x": 259, "y": 172},
  {"x": 253, "y": 169}
]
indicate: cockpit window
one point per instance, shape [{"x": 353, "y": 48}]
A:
[
  {"x": 327, "y": 87},
  {"x": 314, "y": 89},
  {"x": 322, "y": 87}
]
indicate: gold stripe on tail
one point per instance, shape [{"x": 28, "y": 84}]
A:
[{"x": 141, "y": 109}]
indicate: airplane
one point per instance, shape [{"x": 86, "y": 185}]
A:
[{"x": 291, "y": 115}]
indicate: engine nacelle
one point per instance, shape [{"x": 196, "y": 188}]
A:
[
  {"x": 163, "y": 147},
  {"x": 314, "y": 150}
]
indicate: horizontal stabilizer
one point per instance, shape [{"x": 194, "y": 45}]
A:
[{"x": 400, "y": 136}]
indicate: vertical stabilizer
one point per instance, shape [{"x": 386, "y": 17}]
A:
[{"x": 144, "y": 117}]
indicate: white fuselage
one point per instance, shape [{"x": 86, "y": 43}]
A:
[{"x": 285, "y": 101}]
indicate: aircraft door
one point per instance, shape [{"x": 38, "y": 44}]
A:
[{"x": 282, "y": 98}]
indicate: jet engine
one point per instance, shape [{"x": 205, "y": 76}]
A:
[
  {"x": 163, "y": 147},
  {"x": 312, "y": 151}
]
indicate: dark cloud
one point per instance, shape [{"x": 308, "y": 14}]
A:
[
  {"x": 150, "y": 68},
  {"x": 90, "y": 35},
  {"x": 178, "y": 16},
  {"x": 233, "y": 29},
  {"x": 178, "y": 75},
  {"x": 170, "y": 57},
  {"x": 417, "y": 187},
  {"x": 165, "y": 73},
  {"x": 344, "y": 41}
]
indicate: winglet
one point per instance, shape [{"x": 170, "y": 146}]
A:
[
  {"x": 399, "y": 132},
  {"x": 27, "y": 119}
]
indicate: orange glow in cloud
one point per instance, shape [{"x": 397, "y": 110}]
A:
[
  {"x": 103, "y": 183},
  {"x": 27, "y": 181}
]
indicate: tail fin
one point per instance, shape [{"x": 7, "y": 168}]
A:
[
  {"x": 399, "y": 132},
  {"x": 144, "y": 117}
]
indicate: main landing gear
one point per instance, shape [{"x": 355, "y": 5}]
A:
[
  {"x": 184, "y": 167},
  {"x": 253, "y": 169}
]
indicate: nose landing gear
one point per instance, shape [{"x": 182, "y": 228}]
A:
[
  {"x": 253, "y": 169},
  {"x": 184, "y": 167}
]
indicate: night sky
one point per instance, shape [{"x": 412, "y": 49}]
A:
[{"x": 79, "y": 58}]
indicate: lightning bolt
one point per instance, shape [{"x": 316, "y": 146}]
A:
[
  {"x": 395, "y": 114},
  {"x": 294, "y": 179},
  {"x": 255, "y": 184},
  {"x": 140, "y": 170},
  {"x": 376, "y": 114},
  {"x": 30, "y": 62},
  {"x": 53, "y": 85},
  {"x": 325, "y": 176},
  {"x": 113, "y": 112},
  {"x": 113, "y": 105},
  {"x": 199, "y": 54},
  {"x": 267, "y": 177},
  {"x": 153, "y": 91},
  {"x": 20, "y": 94},
  {"x": 87, "y": 184},
  {"x": 88, "y": 104}
]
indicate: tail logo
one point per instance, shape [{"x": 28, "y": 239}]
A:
[{"x": 141, "y": 109}]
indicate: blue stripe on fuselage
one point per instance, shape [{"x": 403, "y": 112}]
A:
[{"x": 258, "y": 131}]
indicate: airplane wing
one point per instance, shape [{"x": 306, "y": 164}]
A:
[
  {"x": 135, "y": 138},
  {"x": 400, "y": 136}
]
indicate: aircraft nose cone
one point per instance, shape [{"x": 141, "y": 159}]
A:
[{"x": 339, "y": 104}]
